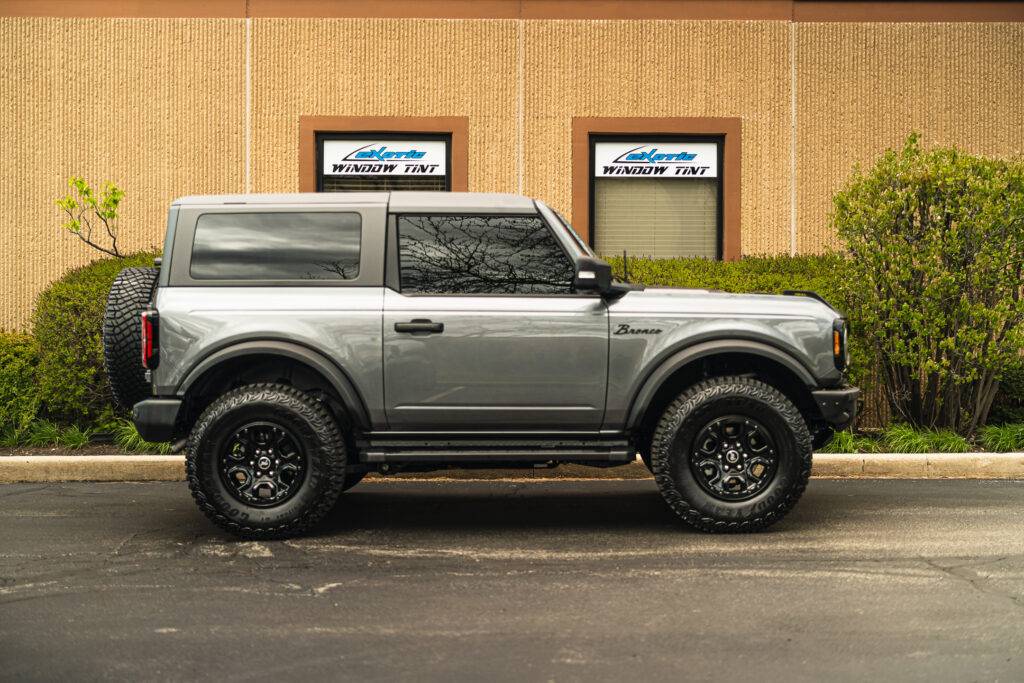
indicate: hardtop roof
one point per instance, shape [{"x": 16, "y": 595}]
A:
[{"x": 398, "y": 202}]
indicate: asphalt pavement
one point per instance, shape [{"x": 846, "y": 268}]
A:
[{"x": 555, "y": 580}]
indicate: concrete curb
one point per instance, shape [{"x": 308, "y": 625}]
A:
[{"x": 54, "y": 468}]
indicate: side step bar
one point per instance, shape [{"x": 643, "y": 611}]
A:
[{"x": 497, "y": 450}]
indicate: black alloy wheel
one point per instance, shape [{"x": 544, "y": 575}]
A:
[
  {"x": 262, "y": 465},
  {"x": 734, "y": 457}
]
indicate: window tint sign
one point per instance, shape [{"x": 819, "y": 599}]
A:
[
  {"x": 656, "y": 159},
  {"x": 385, "y": 157}
]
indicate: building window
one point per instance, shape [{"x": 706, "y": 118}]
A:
[
  {"x": 381, "y": 153},
  {"x": 350, "y": 162},
  {"x": 657, "y": 196}
]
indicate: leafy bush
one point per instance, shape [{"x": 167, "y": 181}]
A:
[
  {"x": 1003, "y": 438},
  {"x": 19, "y": 400},
  {"x": 903, "y": 438},
  {"x": 1008, "y": 405},
  {"x": 937, "y": 245},
  {"x": 67, "y": 322}
]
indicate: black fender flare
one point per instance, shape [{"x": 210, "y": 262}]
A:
[
  {"x": 339, "y": 381},
  {"x": 643, "y": 397}
]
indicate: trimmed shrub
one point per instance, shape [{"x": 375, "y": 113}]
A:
[
  {"x": 936, "y": 239},
  {"x": 67, "y": 324},
  {"x": 19, "y": 400},
  {"x": 768, "y": 274}
]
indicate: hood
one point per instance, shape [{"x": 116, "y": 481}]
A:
[{"x": 705, "y": 302}]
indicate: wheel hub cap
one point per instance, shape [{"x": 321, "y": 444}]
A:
[
  {"x": 261, "y": 464},
  {"x": 733, "y": 457}
]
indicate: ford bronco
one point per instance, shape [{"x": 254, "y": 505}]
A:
[{"x": 293, "y": 343}]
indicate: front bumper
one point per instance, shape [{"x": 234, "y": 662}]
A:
[
  {"x": 155, "y": 418},
  {"x": 838, "y": 407}
]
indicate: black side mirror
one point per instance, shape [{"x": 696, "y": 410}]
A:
[{"x": 592, "y": 275}]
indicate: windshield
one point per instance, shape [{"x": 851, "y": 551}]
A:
[{"x": 584, "y": 247}]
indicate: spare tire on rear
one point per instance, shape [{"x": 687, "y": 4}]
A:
[{"x": 122, "y": 334}]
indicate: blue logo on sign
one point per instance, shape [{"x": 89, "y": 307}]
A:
[
  {"x": 382, "y": 154},
  {"x": 651, "y": 156}
]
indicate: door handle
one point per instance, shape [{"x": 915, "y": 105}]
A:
[{"x": 420, "y": 326}]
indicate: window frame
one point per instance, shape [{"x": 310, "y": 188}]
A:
[
  {"x": 393, "y": 268},
  {"x": 322, "y": 136},
  {"x": 719, "y": 140}
]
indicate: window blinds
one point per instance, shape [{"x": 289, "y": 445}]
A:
[{"x": 656, "y": 217}]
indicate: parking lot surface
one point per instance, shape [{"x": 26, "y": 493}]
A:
[{"x": 499, "y": 580}]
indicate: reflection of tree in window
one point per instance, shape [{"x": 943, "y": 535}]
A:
[
  {"x": 309, "y": 245},
  {"x": 481, "y": 255}
]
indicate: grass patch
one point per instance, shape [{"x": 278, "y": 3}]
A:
[
  {"x": 75, "y": 437},
  {"x": 44, "y": 433},
  {"x": 41, "y": 433},
  {"x": 127, "y": 437},
  {"x": 1003, "y": 438},
  {"x": 848, "y": 442},
  {"x": 902, "y": 438}
]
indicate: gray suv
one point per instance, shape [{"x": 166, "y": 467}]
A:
[{"x": 293, "y": 343}]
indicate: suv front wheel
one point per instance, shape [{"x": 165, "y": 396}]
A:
[
  {"x": 266, "y": 461},
  {"x": 731, "y": 454}
]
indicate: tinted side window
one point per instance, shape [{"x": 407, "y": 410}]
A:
[
  {"x": 311, "y": 245},
  {"x": 481, "y": 255}
]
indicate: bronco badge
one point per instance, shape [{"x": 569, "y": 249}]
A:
[{"x": 623, "y": 328}]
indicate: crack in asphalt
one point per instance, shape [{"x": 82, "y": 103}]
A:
[{"x": 965, "y": 573}]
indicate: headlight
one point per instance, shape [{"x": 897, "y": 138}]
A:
[{"x": 840, "y": 349}]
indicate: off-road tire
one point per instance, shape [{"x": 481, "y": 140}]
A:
[
  {"x": 696, "y": 407},
  {"x": 321, "y": 443},
  {"x": 122, "y": 335}
]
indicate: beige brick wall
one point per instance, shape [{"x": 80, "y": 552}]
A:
[
  {"x": 861, "y": 88},
  {"x": 658, "y": 68},
  {"x": 158, "y": 105},
  {"x": 385, "y": 67},
  {"x": 154, "y": 104}
]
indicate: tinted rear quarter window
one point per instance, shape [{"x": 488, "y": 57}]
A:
[
  {"x": 309, "y": 245},
  {"x": 481, "y": 255}
]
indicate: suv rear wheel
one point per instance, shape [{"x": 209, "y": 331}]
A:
[
  {"x": 266, "y": 461},
  {"x": 731, "y": 454}
]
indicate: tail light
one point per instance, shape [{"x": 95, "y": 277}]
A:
[{"x": 150, "y": 339}]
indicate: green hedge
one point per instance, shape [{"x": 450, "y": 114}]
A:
[
  {"x": 769, "y": 274},
  {"x": 766, "y": 274},
  {"x": 67, "y": 324},
  {"x": 19, "y": 400}
]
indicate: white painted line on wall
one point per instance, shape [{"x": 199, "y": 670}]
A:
[
  {"x": 249, "y": 103},
  {"x": 792, "y": 138},
  {"x": 521, "y": 97}
]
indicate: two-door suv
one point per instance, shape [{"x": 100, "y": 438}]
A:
[{"x": 292, "y": 343}]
